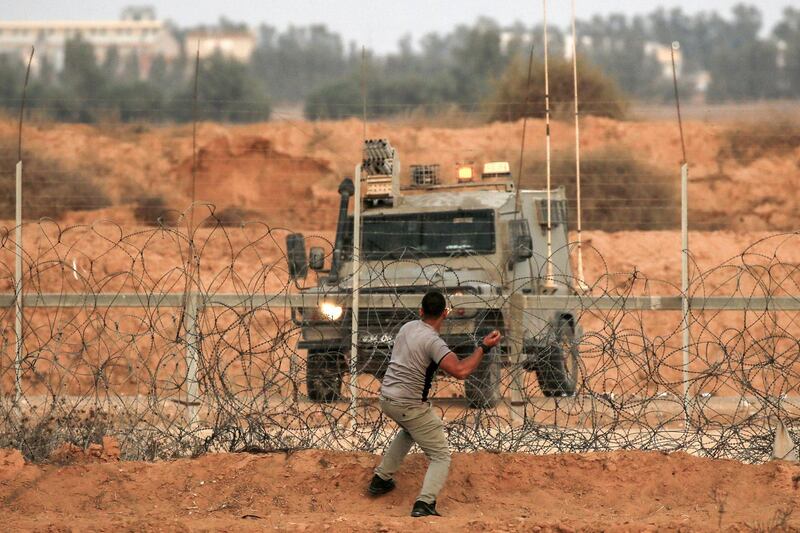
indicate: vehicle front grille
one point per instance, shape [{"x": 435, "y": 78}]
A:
[{"x": 385, "y": 318}]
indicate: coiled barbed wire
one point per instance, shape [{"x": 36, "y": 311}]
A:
[{"x": 121, "y": 349}]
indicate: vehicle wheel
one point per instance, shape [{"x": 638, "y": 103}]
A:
[
  {"x": 557, "y": 366},
  {"x": 324, "y": 372},
  {"x": 482, "y": 387}
]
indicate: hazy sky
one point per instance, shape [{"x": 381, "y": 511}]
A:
[{"x": 378, "y": 24}]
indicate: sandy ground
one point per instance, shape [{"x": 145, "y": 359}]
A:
[{"x": 325, "y": 491}]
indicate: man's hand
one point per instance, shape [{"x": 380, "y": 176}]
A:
[
  {"x": 492, "y": 339},
  {"x": 461, "y": 368}
]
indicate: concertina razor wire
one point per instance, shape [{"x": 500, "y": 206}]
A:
[{"x": 183, "y": 342}]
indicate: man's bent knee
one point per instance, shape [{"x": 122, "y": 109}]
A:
[
  {"x": 438, "y": 454},
  {"x": 442, "y": 459}
]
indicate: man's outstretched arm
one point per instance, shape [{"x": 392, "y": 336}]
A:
[{"x": 461, "y": 368}]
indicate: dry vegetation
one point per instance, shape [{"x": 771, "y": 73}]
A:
[
  {"x": 746, "y": 142},
  {"x": 513, "y": 97},
  {"x": 618, "y": 190},
  {"x": 51, "y": 186}
]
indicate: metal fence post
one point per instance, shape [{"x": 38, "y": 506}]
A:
[
  {"x": 18, "y": 288},
  {"x": 685, "y": 283},
  {"x": 354, "y": 307},
  {"x": 18, "y": 235},
  {"x": 192, "y": 357}
]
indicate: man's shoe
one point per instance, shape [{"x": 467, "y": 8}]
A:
[
  {"x": 379, "y": 486},
  {"x": 424, "y": 509}
]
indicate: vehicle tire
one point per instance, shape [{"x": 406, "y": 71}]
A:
[
  {"x": 557, "y": 365},
  {"x": 324, "y": 373},
  {"x": 482, "y": 387}
]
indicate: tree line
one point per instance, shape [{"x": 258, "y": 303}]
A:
[
  {"x": 477, "y": 67},
  {"x": 90, "y": 91}
]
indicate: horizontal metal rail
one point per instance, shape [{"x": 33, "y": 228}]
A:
[{"x": 525, "y": 301}]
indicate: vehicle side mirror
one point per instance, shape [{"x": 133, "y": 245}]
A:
[
  {"x": 316, "y": 258},
  {"x": 296, "y": 255},
  {"x": 521, "y": 241}
]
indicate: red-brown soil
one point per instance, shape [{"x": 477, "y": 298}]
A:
[
  {"x": 287, "y": 171},
  {"x": 324, "y": 491},
  {"x": 286, "y": 174}
]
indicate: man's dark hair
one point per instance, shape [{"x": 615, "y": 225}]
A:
[{"x": 433, "y": 304}]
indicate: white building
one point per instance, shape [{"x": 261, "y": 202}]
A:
[
  {"x": 137, "y": 32},
  {"x": 663, "y": 55},
  {"x": 231, "y": 43}
]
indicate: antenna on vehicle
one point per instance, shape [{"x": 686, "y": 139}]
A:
[
  {"x": 517, "y": 205},
  {"x": 581, "y": 284},
  {"x": 549, "y": 284}
]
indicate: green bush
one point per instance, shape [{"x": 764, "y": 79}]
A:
[
  {"x": 153, "y": 210},
  {"x": 335, "y": 100},
  {"x": 226, "y": 91},
  {"x": 385, "y": 97},
  {"x": 231, "y": 216},
  {"x": 598, "y": 94}
]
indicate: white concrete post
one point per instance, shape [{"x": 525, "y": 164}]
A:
[
  {"x": 18, "y": 288},
  {"x": 354, "y": 307},
  {"x": 685, "y": 282},
  {"x": 192, "y": 357}
]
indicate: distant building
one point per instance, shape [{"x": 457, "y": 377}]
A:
[
  {"x": 137, "y": 32},
  {"x": 233, "y": 43},
  {"x": 663, "y": 55},
  {"x": 513, "y": 36},
  {"x": 700, "y": 80}
]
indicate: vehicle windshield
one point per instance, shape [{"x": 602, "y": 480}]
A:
[{"x": 440, "y": 234}]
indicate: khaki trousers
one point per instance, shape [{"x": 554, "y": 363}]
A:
[{"x": 418, "y": 423}]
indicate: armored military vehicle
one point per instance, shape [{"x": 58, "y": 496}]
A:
[{"x": 475, "y": 236}]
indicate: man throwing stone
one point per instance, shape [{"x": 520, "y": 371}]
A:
[{"x": 418, "y": 352}]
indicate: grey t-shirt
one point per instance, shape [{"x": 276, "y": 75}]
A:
[{"x": 418, "y": 350}]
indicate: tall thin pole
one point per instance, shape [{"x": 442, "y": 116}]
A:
[
  {"x": 581, "y": 283},
  {"x": 685, "y": 274},
  {"x": 356, "y": 277},
  {"x": 684, "y": 238},
  {"x": 354, "y": 306},
  {"x": 364, "y": 90},
  {"x": 18, "y": 315},
  {"x": 190, "y": 309},
  {"x": 549, "y": 283},
  {"x": 676, "y": 46},
  {"x": 194, "y": 143},
  {"x": 517, "y": 205}
]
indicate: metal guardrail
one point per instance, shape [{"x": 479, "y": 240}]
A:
[{"x": 532, "y": 302}]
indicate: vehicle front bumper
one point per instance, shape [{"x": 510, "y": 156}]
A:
[{"x": 368, "y": 343}]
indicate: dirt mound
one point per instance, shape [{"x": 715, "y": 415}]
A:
[
  {"x": 247, "y": 172},
  {"x": 11, "y": 463},
  {"x": 324, "y": 491},
  {"x": 68, "y": 453}
]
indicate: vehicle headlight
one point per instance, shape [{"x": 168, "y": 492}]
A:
[{"x": 330, "y": 311}]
